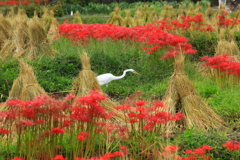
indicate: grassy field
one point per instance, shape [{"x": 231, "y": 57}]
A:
[{"x": 54, "y": 126}]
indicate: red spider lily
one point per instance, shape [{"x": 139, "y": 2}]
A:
[
  {"x": 197, "y": 153},
  {"x": 169, "y": 149},
  {"x": 149, "y": 34},
  {"x": 4, "y": 131},
  {"x": 107, "y": 156},
  {"x": 58, "y": 130},
  {"x": 88, "y": 108},
  {"x": 70, "y": 96},
  {"x": 223, "y": 63},
  {"x": 17, "y": 158},
  {"x": 67, "y": 123},
  {"x": 125, "y": 150},
  {"x": 140, "y": 103},
  {"x": 159, "y": 104},
  {"x": 59, "y": 157},
  {"x": 83, "y": 136},
  {"x": 232, "y": 145},
  {"x": 25, "y": 123},
  {"x": 39, "y": 122},
  {"x": 123, "y": 107},
  {"x": 11, "y": 3}
]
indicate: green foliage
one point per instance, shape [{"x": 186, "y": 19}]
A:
[
  {"x": 203, "y": 43},
  {"x": 100, "y": 8},
  {"x": 226, "y": 103},
  {"x": 94, "y": 19},
  {"x": 9, "y": 71},
  {"x": 192, "y": 139},
  {"x": 237, "y": 38},
  {"x": 29, "y": 9}
]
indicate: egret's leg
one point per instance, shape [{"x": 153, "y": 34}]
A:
[{"x": 107, "y": 88}]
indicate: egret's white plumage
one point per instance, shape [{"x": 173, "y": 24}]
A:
[{"x": 104, "y": 79}]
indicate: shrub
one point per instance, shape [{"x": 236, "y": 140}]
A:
[
  {"x": 9, "y": 71},
  {"x": 192, "y": 138}
]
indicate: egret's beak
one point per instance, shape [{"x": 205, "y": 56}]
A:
[{"x": 136, "y": 73}]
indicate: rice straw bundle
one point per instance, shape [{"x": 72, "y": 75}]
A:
[
  {"x": 10, "y": 15},
  {"x": 5, "y": 30},
  {"x": 38, "y": 43},
  {"x": 146, "y": 14},
  {"x": 191, "y": 10},
  {"x": 18, "y": 40},
  {"x": 48, "y": 19},
  {"x": 163, "y": 12},
  {"x": 181, "y": 96},
  {"x": 237, "y": 14},
  {"x": 180, "y": 12},
  {"x": 138, "y": 16},
  {"x": 220, "y": 12},
  {"x": 86, "y": 81},
  {"x": 77, "y": 18},
  {"x": 153, "y": 15},
  {"x": 53, "y": 33},
  {"x": 227, "y": 47},
  {"x": 128, "y": 20},
  {"x": 170, "y": 13},
  {"x": 209, "y": 14},
  {"x": 116, "y": 18},
  {"x": 198, "y": 9},
  {"x": 26, "y": 87}
]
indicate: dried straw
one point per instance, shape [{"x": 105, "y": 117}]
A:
[
  {"x": 77, "y": 18},
  {"x": 209, "y": 14},
  {"x": 115, "y": 17},
  {"x": 181, "y": 96},
  {"x": 138, "y": 16},
  {"x": 5, "y": 31},
  {"x": 48, "y": 19},
  {"x": 18, "y": 39},
  {"x": 38, "y": 41},
  {"x": 25, "y": 87},
  {"x": 128, "y": 20},
  {"x": 86, "y": 81}
]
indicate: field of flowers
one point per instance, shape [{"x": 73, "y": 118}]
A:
[{"x": 61, "y": 125}]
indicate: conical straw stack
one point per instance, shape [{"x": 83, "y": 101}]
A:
[
  {"x": 5, "y": 30},
  {"x": 26, "y": 87},
  {"x": 86, "y": 81},
  {"x": 77, "y": 18},
  {"x": 128, "y": 20},
  {"x": 38, "y": 42},
  {"x": 181, "y": 96},
  {"x": 18, "y": 41}
]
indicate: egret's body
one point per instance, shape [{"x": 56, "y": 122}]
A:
[{"x": 104, "y": 79}]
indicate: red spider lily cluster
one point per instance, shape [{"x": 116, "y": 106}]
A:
[
  {"x": 107, "y": 156},
  {"x": 13, "y": 2},
  {"x": 149, "y": 116},
  {"x": 38, "y": 121},
  {"x": 232, "y": 146},
  {"x": 21, "y": 2},
  {"x": 223, "y": 63},
  {"x": 195, "y": 22},
  {"x": 152, "y": 36},
  {"x": 198, "y": 153}
]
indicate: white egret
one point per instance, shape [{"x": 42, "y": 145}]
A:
[{"x": 104, "y": 79}]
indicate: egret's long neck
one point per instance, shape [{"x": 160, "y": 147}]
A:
[{"x": 123, "y": 75}]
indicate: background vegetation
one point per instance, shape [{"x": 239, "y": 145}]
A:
[{"x": 56, "y": 75}]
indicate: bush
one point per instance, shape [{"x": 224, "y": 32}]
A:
[
  {"x": 203, "y": 43},
  {"x": 192, "y": 139},
  {"x": 9, "y": 71}
]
